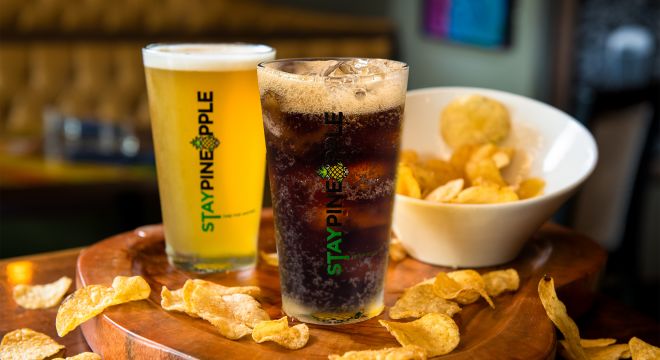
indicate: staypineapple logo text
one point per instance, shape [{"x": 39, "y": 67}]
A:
[
  {"x": 205, "y": 143},
  {"x": 334, "y": 172}
]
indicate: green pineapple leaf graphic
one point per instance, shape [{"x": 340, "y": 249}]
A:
[
  {"x": 323, "y": 172},
  {"x": 196, "y": 142}
]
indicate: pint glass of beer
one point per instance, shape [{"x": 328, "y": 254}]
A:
[
  {"x": 209, "y": 146},
  {"x": 332, "y": 130}
]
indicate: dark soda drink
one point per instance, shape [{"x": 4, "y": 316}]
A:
[{"x": 332, "y": 129}]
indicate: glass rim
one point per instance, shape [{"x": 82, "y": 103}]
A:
[
  {"x": 206, "y": 56},
  {"x": 263, "y": 48},
  {"x": 263, "y": 65}
]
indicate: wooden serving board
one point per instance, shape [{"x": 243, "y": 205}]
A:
[{"x": 517, "y": 328}]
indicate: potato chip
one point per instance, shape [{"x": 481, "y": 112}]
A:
[
  {"x": 217, "y": 313},
  {"x": 483, "y": 171},
  {"x": 588, "y": 343},
  {"x": 408, "y": 157},
  {"x": 279, "y": 331},
  {"x": 530, "y": 188},
  {"x": 499, "y": 281},
  {"x": 83, "y": 356},
  {"x": 28, "y": 344},
  {"x": 474, "y": 119},
  {"x": 218, "y": 289},
  {"x": 433, "y": 173},
  {"x": 610, "y": 352},
  {"x": 436, "y": 333},
  {"x": 233, "y": 315},
  {"x": 502, "y": 158},
  {"x": 607, "y": 352},
  {"x": 557, "y": 313},
  {"x": 447, "y": 288},
  {"x": 84, "y": 304},
  {"x": 397, "y": 353},
  {"x": 446, "y": 192},
  {"x": 641, "y": 350},
  {"x": 420, "y": 300},
  {"x": 406, "y": 184},
  {"x": 485, "y": 194},
  {"x": 397, "y": 251},
  {"x": 41, "y": 296},
  {"x": 482, "y": 152},
  {"x": 468, "y": 279},
  {"x": 172, "y": 300},
  {"x": 270, "y": 259},
  {"x": 461, "y": 156},
  {"x": 129, "y": 289},
  {"x": 89, "y": 301},
  {"x": 245, "y": 309}
]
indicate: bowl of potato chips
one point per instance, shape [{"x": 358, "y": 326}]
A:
[{"x": 480, "y": 171}]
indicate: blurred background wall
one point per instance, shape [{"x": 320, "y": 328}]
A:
[{"x": 76, "y": 163}]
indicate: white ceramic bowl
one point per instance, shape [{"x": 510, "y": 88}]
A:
[{"x": 560, "y": 150}]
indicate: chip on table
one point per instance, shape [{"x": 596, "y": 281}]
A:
[
  {"x": 41, "y": 296},
  {"x": 28, "y": 344}
]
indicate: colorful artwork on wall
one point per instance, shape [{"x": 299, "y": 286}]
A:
[{"x": 483, "y": 23}]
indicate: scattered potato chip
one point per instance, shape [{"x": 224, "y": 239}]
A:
[
  {"x": 270, "y": 259},
  {"x": 245, "y": 309},
  {"x": 84, "y": 304},
  {"x": 83, "y": 356},
  {"x": 610, "y": 352},
  {"x": 530, "y": 188},
  {"x": 641, "y": 350},
  {"x": 499, "y": 281},
  {"x": 89, "y": 301},
  {"x": 607, "y": 352},
  {"x": 485, "y": 194},
  {"x": 446, "y": 192},
  {"x": 41, "y": 296},
  {"x": 588, "y": 343},
  {"x": 397, "y": 251},
  {"x": 279, "y": 331},
  {"x": 420, "y": 300},
  {"x": 129, "y": 289},
  {"x": 436, "y": 333},
  {"x": 468, "y": 279},
  {"x": 398, "y": 353},
  {"x": 406, "y": 183},
  {"x": 557, "y": 313},
  {"x": 233, "y": 315},
  {"x": 231, "y": 309},
  {"x": 172, "y": 300},
  {"x": 474, "y": 119},
  {"x": 449, "y": 289},
  {"x": 191, "y": 284},
  {"x": 28, "y": 344}
]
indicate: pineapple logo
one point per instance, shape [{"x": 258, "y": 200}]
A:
[
  {"x": 206, "y": 142},
  {"x": 338, "y": 172}
]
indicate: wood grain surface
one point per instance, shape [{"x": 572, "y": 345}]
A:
[
  {"x": 37, "y": 269},
  {"x": 517, "y": 327}
]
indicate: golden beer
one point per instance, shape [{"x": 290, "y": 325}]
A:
[{"x": 210, "y": 154}]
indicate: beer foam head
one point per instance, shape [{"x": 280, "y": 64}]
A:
[
  {"x": 333, "y": 85},
  {"x": 206, "y": 57}
]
